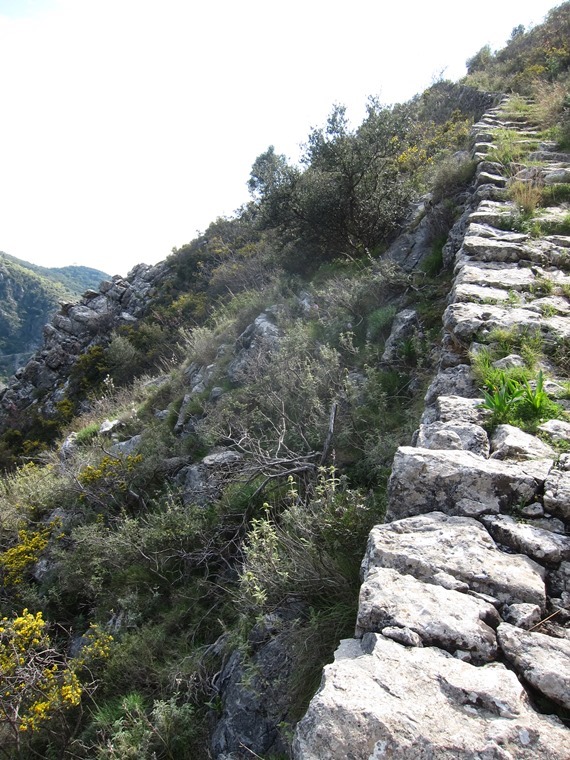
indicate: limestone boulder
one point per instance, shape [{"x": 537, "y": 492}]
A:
[
  {"x": 482, "y": 294},
  {"x": 487, "y": 219},
  {"x": 425, "y": 480},
  {"x": 542, "y": 545},
  {"x": 468, "y": 321},
  {"x": 437, "y": 548},
  {"x": 380, "y": 699},
  {"x": 492, "y": 249},
  {"x": 441, "y": 617},
  {"x": 203, "y": 481},
  {"x": 510, "y": 442},
  {"x": 404, "y": 327},
  {"x": 128, "y": 447},
  {"x": 492, "y": 275},
  {"x": 454, "y": 435},
  {"x": 509, "y": 361},
  {"x": 261, "y": 335},
  {"x": 404, "y": 636},
  {"x": 453, "y": 381},
  {"x": 560, "y": 580},
  {"x": 556, "y": 430},
  {"x": 522, "y": 615},
  {"x": 557, "y": 494},
  {"x": 549, "y": 155},
  {"x": 561, "y": 175},
  {"x": 454, "y": 408},
  {"x": 543, "y": 661}
]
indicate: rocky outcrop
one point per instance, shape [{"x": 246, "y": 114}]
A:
[
  {"x": 464, "y": 607},
  {"x": 255, "y": 704},
  {"x": 73, "y": 330},
  {"x": 29, "y": 297},
  {"x": 261, "y": 335}
]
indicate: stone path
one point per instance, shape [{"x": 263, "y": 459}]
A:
[{"x": 465, "y": 604}]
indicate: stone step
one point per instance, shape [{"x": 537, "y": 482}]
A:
[
  {"x": 508, "y": 276},
  {"x": 547, "y": 155},
  {"x": 453, "y": 550},
  {"x": 470, "y": 321}
]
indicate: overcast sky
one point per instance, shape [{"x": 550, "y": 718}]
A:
[{"x": 128, "y": 125}]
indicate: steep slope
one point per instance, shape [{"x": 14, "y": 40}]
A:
[{"x": 199, "y": 451}]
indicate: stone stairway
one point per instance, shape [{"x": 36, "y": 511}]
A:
[{"x": 462, "y": 643}]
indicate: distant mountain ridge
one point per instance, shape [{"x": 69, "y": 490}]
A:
[{"x": 29, "y": 296}]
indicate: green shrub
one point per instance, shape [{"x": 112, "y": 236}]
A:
[
  {"x": 432, "y": 264},
  {"x": 89, "y": 370},
  {"x": 518, "y": 402},
  {"x": 501, "y": 398},
  {"x": 452, "y": 175},
  {"x": 128, "y": 728},
  {"x": 509, "y": 148},
  {"x": 87, "y": 434},
  {"x": 124, "y": 359},
  {"x": 556, "y": 195},
  {"x": 380, "y": 321},
  {"x": 527, "y": 195}
]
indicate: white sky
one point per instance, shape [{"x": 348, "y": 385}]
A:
[{"x": 126, "y": 126}]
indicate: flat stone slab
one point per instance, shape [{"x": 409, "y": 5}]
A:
[
  {"x": 510, "y": 442},
  {"x": 380, "y": 699},
  {"x": 454, "y": 551},
  {"x": 425, "y": 480},
  {"x": 556, "y": 176},
  {"x": 491, "y": 249},
  {"x": 478, "y": 294},
  {"x": 551, "y": 304},
  {"x": 541, "y": 660},
  {"x": 468, "y": 321},
  {"x": 542, "y": 545},
  {"x": 493, "y": 179},
  {"x": 490, "y": 274},
  {"x": 455, "y": 408},
  {"x": 549, "y": 155},
  {"x": 491, "y": 214},
  {"x": 441, "y": 617},
  {"x": 487, "y": 246}
]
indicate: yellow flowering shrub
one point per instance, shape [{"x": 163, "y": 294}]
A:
[
  {"x": 37, "y": 680},
  {"x": 108, "y": 467},
  {"x": 108, "y": 483},
  {"x": 15, "y": 561}
]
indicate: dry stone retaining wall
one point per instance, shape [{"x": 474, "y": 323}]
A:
[{"x": 462, "y": 628}]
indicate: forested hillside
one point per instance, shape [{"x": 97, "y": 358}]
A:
[
  {"x": 29, "y": 297},
  {"x": 194, "y": 458}
]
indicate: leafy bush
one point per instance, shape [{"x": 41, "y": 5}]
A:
[
  {"x": 127, "y": 728},
  {"x": 452, "y": 174},
  {"x": 379, "y": 321}
]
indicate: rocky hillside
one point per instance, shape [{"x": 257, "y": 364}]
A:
[
  {"x": 369, "y": 359},
  {"x": 29, "y": 296}
]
